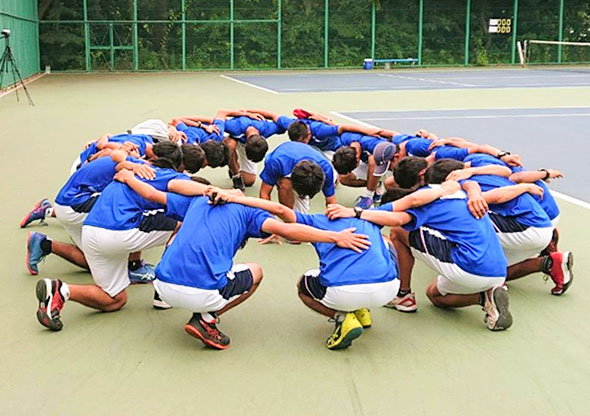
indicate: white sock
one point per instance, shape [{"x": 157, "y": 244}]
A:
[
  {"x": 65, "y": 290},
  {"x": 368, "y": 194},
  {"x": 339, "y": 316},
  {"x": 49, "y": 212},
  {"x": 207, "y": 317}
]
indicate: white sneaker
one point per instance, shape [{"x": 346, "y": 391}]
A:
[
  {"x": 406, "y": 303},
  {"x": 496, "y": 304},
  {"x": 158, "y": 303}
]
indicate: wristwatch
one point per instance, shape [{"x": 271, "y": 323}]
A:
[
  {"x": 357, "y": 212},
  {"x": 502, "y": 154},
  {"x": 547, "y": 174}
]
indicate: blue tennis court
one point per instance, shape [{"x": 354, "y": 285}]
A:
[
  {"x": 546, "y": 137},
  {"x": 416, "y": 80}
]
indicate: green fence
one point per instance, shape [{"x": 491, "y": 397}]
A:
[
  {"x": 20, "y": 17},
  {"x": 92, "y": 35}
]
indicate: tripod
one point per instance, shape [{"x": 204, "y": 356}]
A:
[{"x": 8, "y": 66}]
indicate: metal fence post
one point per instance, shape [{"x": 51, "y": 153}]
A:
[
  {"x": 560, "y": 36},
  {"x": 279, "y": 33},
  {"x": 231, "y": 34},
  {"x": 183, "y": 15},
  {"x": 373, "y": 28},
  {"x": 467, "y": 30},
  {"x": 112, "y": 45},
  {"x": 514, "y": 31},
  {"x": 326, "y": 19},
  {"x": 135, "y": 38},
  {"x": 420, "y": 29},
  {"x": 86, "y": 36}
]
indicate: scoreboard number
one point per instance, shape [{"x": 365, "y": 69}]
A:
[{"x": 502, "y": 26}]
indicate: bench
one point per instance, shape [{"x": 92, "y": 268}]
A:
[{"x": 388, "y": 62}]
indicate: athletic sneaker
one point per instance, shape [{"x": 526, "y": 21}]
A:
[
  {"x": 34, "y": 251},
  {"x": 496, "y": 303},
  {"x": 238, "y": 183},
  {"x": 38, "y": 212},
  {"x": 377, "y": 196},
  {"x": 158, "y": 303},
  {"x": 552, "y": 247},
  {"x": 207, "y": 332},
  {"x": 363, "y": 202},
  {"x": 406, "y": 303},
  {"x": 51, "y": 302},
  {"x": 345, "y": 332},
  {"x": 144, "y": 274},
  {"x": 561, "y": 272},
  {"x": 364, "y": 317}
]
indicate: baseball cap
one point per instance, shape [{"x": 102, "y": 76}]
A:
[
  {"x": 383, "y": 154},
  {"x": 301, "y": 113}
]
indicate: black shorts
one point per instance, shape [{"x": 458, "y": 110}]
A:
[{"x": 241, "y": 282}]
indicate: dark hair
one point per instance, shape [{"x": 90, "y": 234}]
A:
[
  {"x": 256, "y": 148},
  {"x": 200, "y": 179},
  {"x": 193, "y": 157},
  {"x": 394, "y": 194},
  {"x": 344, "y": 160},
  {"x": 307, "y": 178},
  {"x": 217, "y": 154},
  {"x": 168, "y": 155},
  {"x": 438, "y": 172},
  {"x": 407, "y": 170},
  {"x": 298, "y": 131}
]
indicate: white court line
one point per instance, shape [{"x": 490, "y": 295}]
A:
[
  {"x": 556, "y": 194},
  {"x": 352, "y": 89},
  {"x": 479, "y": 116},
  {"x": 18, "y": 85},
  {"x": 250, "y": 85},
  {"x": 429, "y": 80},
  {"x": 397, "y": 110}
]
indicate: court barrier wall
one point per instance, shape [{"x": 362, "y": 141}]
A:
[
  {"x": 160, "y": 35},
  {"x": 20, "y": 17}
]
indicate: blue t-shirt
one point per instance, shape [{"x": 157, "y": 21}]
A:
[
  {"x": 198, "y": 135},
  {"x": 140, "y": 140},
  {"x": 203, "y": 250},
  {"x": 368, "y": 143},
  {"x": 90, "y": 179},
  {"x": 323, "y": 136},
  {"x": 281, "y": 161},
  {"x": 121, "y": 208},
  {"x": 548, "y": 202},
  {"x": 476, "y": 248},
  {"x": 236, "y": 127},
  {"x": 340, "y": 266},
  {"x": 524, "y": 208},
  {"x": 400, "y": 138},
  {"x": 419, "y": 147}
]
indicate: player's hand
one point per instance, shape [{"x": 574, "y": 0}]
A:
[
  {"x": 182, "y": 136},
  {"x": 103, "y": 152},
  {"x": 460, "y": 174},
  {"x": 511, "y": 160},
  {"x": 449, "y": 187},
  {"x": 274, "y": 238},
  {"x": 124, "y": 175},
  {"x": 534, "y": 190},
  {"x": 553, "y": 174},
  {"x": 210, "y": 128},
  {"x": 129, "y": 147},
  {"x": 477, "y": 205},
  {"x": 356, "y": 242},
  {"x": 255, "y": 116},
  {"x": 335, "y": 211},
  {"x": 144, "y": 171},
  {"x": 438, "y": 143}
]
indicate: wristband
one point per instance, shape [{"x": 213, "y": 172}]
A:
[
  {"x": 502, "y": 154},
  {"x": 547, "y": 174},
  {"x": 357, "y": 212}
]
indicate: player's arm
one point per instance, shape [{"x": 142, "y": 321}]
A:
[
  {"x": 143, "y": 189},
  {"x": 300, "y": 232},
  {"x": 467, "y": 173},
  {"x": 508, "y": 193},
  {"x": 476, "y": 202},
  {"x": 388, "y": 134},
  {"x": 284, "y": 213},
  {"x": 103, "y": 140},
  {"x": 187, "y": 188},
  {"x": 426, "y": 196},
  {"x": 376, "y": 216},
  {"x": 265, "y": 190},
  {"x": 224, "y": 113},
  {"x": 352, "y": 128},
  {"x": 530, "y": 176},
  {"x": 193, "y": 121},
  {"x": 269, "y": 115},
  {"x": 330, "y": 200},
  {"x": 512, "y": 160}
]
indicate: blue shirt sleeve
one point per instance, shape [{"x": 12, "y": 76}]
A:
[
  {"x": 322, "y": 131},
  {"x": 284, "y": 122},
  {"x": 177, "y": 205},
  {"x": 271, "y": 172},
  {"x": 328, "y": 188},
  {"x": 419, "y": 218},
  {"x": 220, "y": 124},
  {"x": 305, "y": 219},
  {"x": 418, "y": 147},
  {"x": 385, "y": 207},
  {"x": 181, "y": 126},
  {"x": 256, "y": 219},
  {"x": 450, "y": 152}
]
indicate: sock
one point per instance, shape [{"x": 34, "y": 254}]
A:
[
  {"x": 134, "y": 265},
  {"x": 401, "y": 293},
  {"x": 482, "y": 298},
  {"x": 46, "y": 246},
  {"x": 238, "y": 175},
  {"x": 546, "y": 264},
  {"x": 65, "y": 290},
  {"x": 339, "y": 316},
  {"x": 207, "y": 317},
  {"x": 49, "y": 212},
  {"x": 368, "y": 194}
]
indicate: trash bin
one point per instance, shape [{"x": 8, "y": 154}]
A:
[{"x": 368, "y": 63}]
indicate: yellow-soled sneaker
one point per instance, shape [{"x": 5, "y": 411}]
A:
[
  {"x": 364, "y": 317},
  {"x": 345, "y": 332}
]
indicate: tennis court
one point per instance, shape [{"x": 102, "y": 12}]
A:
[{"x": 140, "y": 361}]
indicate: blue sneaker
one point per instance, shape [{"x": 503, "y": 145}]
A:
[
  {"x": 38, "y": 212},
  {"x": 145, "y": 274},
  {"x": 377, "y": 198},
  {"x": 363, "y": 202},
  {"x": 34, "y": 251}
]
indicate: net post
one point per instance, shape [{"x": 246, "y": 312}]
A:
[
  {"x": 467, "y": 29},
  {"x": 279, "y": 32},
  {"x": 111, "y": 43},
  {"x": 420, "y": 29},
  {"x": 373, "y": 28},
  {"x": 514, "y": 31},
  {"x": 521, "y": 54},
  {"x": 326, "y": 23},
  {"x": 86, "y": 36},
  {"x": 231, "y": 34},
  {"x": 183, "y": 16},
  {"x": 560, "y": 35},
  {"x": 135, "y": 38}
]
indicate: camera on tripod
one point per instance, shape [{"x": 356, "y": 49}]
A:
[{"x": 5, "y": 33}]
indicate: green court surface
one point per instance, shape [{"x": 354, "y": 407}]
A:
[{"x": 140, "y": 361}]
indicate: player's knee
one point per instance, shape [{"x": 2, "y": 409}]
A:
[
  {"x": 256, "y": 271},
  {"x": 116, "y": 303},
  {"x": 249, "y": 181},
  {"x": 433, "y": 295}
]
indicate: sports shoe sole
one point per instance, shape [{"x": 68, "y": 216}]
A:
[
  {"x": 28, "y": 260},
  {"x": 25, "y": 220},
  {"x": 194, "y": 332},
  {"x": 570, "y": 267},
  {"x": 502, "y": 302},
  {"x": 404, "y": 309},
  {"x": 348, "y": 338},
  {"x": 41, "y": 290}
]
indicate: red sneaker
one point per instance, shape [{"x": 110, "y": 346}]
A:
[
  {"x": 561, "y": 272},
  {"x": 406, "y": 303},
  {"x": 207, "y": 332},
  {"x": 51, "y": 302}
]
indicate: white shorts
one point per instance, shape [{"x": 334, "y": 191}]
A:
[
  {"x": 75, "y": 165},
  {"x": 525, "y": 244},
  {"x": 72, "y": 221},
  {"x": 107, "y": 253},
  {"x": 361, "y": 171},
  {"x": 302, "y": 205},
  {"x": 555, "y": 221},
  {"x": 205, "y": 300},
  {"x": 349, "y": 298},
  {"x": 454, "y": 280},
  {"x": 246, "y": 165}
]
